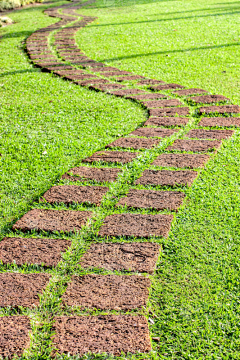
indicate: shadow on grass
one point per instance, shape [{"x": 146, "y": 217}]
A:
[{"x": 20, "y": 72}]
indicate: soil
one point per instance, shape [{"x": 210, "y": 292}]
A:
[
  {"x": 84, "y": 173},
  {"x": 134, "y": 143},
  {"x": 149, "y": 199},
  {"x": 209, "y": 99},
  {"x": 140, "y": 257},
  {"x": 195, "y": 145},
  {"x": 112, "y": 334},
  {"x": 220, "y": 121},
  {"x": 210, "y": 134},
  {"x": 179, "y": 111},
  {"x": 167, "y": 121},
  {"x": 52, "y": 220},
  {"x": 153, "y": 132},
  {"x": 127, "y": 92},
  {"x": 14, "y": 335},
  {"x": 69, "y": 194},
  {"x": 21, "y": 289},
  {"x": 121, "y": 157},
  {"x": 136, "y": 225},
  {"x": 191, "y": 161},
  {"x": 162, "y": 103},
  {"x": 21, "y": 251},
  {"x": 167, "y": 177},
  {"x": 166, "y": 87},
  {"x": 107, "y": 292},
  {"x": 225, "y": 109},
  {"x": 189, "y": 92},
  {"x": 150, "y": 82},
  {"x": 146, "y": 96}
]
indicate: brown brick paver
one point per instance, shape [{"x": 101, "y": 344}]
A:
[
  {"x": 225, "y": 109},
  {"x": 191, "y": 161},
  {"x": 167, "y": 177},
  {"x": 167, "y": 111},
  {"x": 134, "y": 143},
  {"x": 122, "y": 157},
  {"x": 208, "y": 99},
  {"x": 82, "y": 173},
  {"x": 195, "y": 145},
  {"x": 153, "y": 132},
  {"x": 220, "y": 121},
  {"x": 210, "y": 134},
  {"x": 167, "y": 121}
]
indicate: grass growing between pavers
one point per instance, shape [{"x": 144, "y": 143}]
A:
[{"x": 194, "y": 302}]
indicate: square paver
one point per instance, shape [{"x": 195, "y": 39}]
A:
[
  {"x": 167, "y": 111},
  {"x": 153, "y": 132},
  {"x": 192, "y": 161},
  {"x": 150, "y": 96},
  {"x": 21, "y": 289},
  {"x": 208, "y": 99},
  {"x": 120, "y": 157},
  {"x": 225, "y": 109},
  {"x": 220, "y": 121},
  {"x": 38, "y": 251},
  {"x": 69, "y": 194},
  {"x": 112, "y": 334},
  {"x": 83, "y": 173},
  {"x": 136, "y": 225},
  {"x": 140, "y": 257},
  {"x": 134, "y": 143},
  {"x": 166, "y": 87},
  {"x": 107, "y": 292},
  {"x": 189, "y": 92},
  {"x": 167, "y": 177},
  {"x": 150, "y": 82},
  {"x": 150, "y": 199},
  {"x": 14, "y": 335},
  {"x": 128, "y": 92},
  {"x": 53, "y": 220},
  {"x": 195, "y": 145},
  {"x": 162, "y": 103},
  {"x": 167, "y": 121},
  {"x": 210, "y": 134}
]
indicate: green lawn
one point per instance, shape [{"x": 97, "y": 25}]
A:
[{"x": 48, "y": 125}]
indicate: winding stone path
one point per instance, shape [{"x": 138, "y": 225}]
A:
[{"x": 113, "y": 334}]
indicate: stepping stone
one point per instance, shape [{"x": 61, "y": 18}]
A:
[
  {"x": 136, "y": 225},
  {"x": 125, "y": 92},
  {"x": 153, "y": 132},
  {"x": 14, "y": 335},
  {"x": 128, "y": 78},
  {"x": 149, "y": 199},
  {"x": 22, "y": 289},
  {"x": 90, "y": 82},
  {"x": 141, "y": 257},
  {"x": 80, "y": 77},
  {"x": 189, "y": 92},
  {"x": 134, "y": 143},
  {"x": 175, "y": 111},
  {"x": 225, "y": 109},
  {"x": 69, "y": 194},
  {"x": 146, "y": 97},
  {"x": 46, "y": 252},
  {"x": 105, "y": 69},
  {"x": 167, "y": 121},
  {"x": 192, "y": 161},
  {"x": 208, "y": 99},
  {"x": 220, "y": 121},
  {"x": 167, "y": 177},
  {"x": 111, "y": 334},
  {"x": 210, "y": 134},
  {"x": 150, "y": 82},
  {"x": 83, "y": 173},
  {"x": 115, "y": 73},
  {"x": 53, "y": 220},
  {"x": 195, "y": 145},
  {"x": 162, "y": 103},
  {"x": 107, "y": 88},
  {"x": 107, "y": 292},
  {"x": 166, "y": 87},
  {"x": 121, "y": 157}
]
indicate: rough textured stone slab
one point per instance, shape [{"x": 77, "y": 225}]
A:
[
  {"x": 107, "y": 292},
  {"x": 225, "y": 109},
  {"x": 208, "y": 99},
  {"x": 21, "y": 251},
  {"x": 52, "y": 220},
  {"x": 175, "y": 111},
  {"x": 82, "y": 173},
  {"x": 220, "y": 121},
  {"x": 105, "y": 68},
  {"x": 21, "y": 289},
  {"x": 136, "y": 225},
  {"x": 166, "y": 87},
  {"x": 14, "y": 335},
  {"x": 121, "y": 157},
  {"x": 153, "y": 132},
  {"x": 69, "y": 194},
  {"x": 90, "y": 82},
  {"x": 115, "y": 73},
  {"x": 146, "y": 97},
  {"x": 195, "y": 145},
  {"x": 158, "y": 200},
  {"x": 167, "y": 121},
  {"x": 141, "y": 257},
  {"x": 162, "y": 103},
  {"x": 127, "y": 92},
  {"x": 192, "y": 161},
  {"x": 210, "y": 134},
  {"x": 112, "y": 334},
  {"x": 128, "y": 78},
  {"x": 189, "y": 92},
  {"x": 150, "y": 82},
  {"x": 134, "y": 143},
  {"x": 167, "y": 177},
  {"x": 107, "y": 88}
]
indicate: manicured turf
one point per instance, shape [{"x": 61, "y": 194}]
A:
[{"x": 48, "y": 125}]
